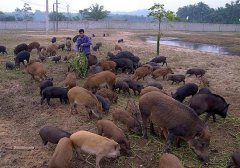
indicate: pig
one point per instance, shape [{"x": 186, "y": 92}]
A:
[
  {"x": 75, "y": 38},
  {"x": 93, "y": 35},
  {"x": 105, "y": 103},
  {"x": 61, "y": 46},
  {"x": 54, "y": 40},
  {"x": 132, "y": 123},
  {"x": 62, "y": 155},
  {"x": 109, "y": 94},
  {"x": 168, "y": 160},
  {"x": 95, "y": 48},
  {"x": 21, "y": 56},
  {"x": 204, "y": 91},
  {"x": 124, "y": 54},
  {"x": 182, "y": 92},
  {"x": 195, "y": 71},
  {"x": 36, "y": 69},
  {"x": 152, "y": 63},
  {"x": 52, "y": 134},
  {"x": 20, "y": 47},
  {"x": 120, "y": 41},
  {"x": 149, "y": 89},
  {"x": 100, "y": 80},
  {"x": 132, "y": 108},
  {"x": 10, "y": 65},
  {"x": 42, "y": 58},
  {"x": 160, "y": 59},
  {"x": 108, "y": 129},
  {"x": 134, "y": 85},
  {"x": 117, "y": 48},
  {"x": 161, "y": 72},
  {"x": 79, "y": 96},
  {"x": 121, "y": 85},
  {"x": 95, "y": 145},
  {"x": 211, "y": 103},
  {"x": 155, "y": 84},
  {"x": 44, "y": 84},
  {"x": 92, "y": 60},
  {"x": 3, "y": 50},
  {"x": 34, "y": 45},
  {"x": 123, "y": 64},
  {"x": 142, "y": 72},
  {"x": 71, "y": 80},
  {"x": 99, "y": 44},
  {"x": 56, "y": 58},
  {"x": 204, "y": 81},
  {"x": 68, "y": 44},
  {"x": 54, "y": 92},
  {"x": 177, "y": 119},
  {"x": 107, "y": 65},
  {"x": 52, "y": 50},
  {"x": 94, "y": 69},
  {"x": 235, "y": 162},
  {"x": 176, "y": 78}
]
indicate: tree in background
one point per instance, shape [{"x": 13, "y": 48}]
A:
[
  {"x": 61, "y": 17},
  {"x": 4, "y": 17},
  {"x": 158, "y": 12},
  {"x": 202, "y": 13},
  {"x": 24, "y": 13},
  {"x": 94, "y": 12}
]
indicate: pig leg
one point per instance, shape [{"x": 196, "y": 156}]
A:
[
  {"x": 145, "y": 122},
  {"x": 98, "y": 159},
  {"x": 170, "y": 140},
  {"x": 207, "y": 116},
  {"x": 100, "y": 129},
  {"x": 42, "y": 100},
  {"x": 48, "y": 101},
  {"x": 74, "y": 106},
  {"x": 152, "y": 129},
  {"x": 214, "y": 117}
]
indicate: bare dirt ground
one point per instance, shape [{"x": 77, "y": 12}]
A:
[{"x": 21, "y": 115}]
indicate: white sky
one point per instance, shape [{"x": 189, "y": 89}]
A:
[{"x": 111, "y": 5}]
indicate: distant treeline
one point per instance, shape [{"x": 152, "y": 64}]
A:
[
  {"x": 202, "y": 13},
  {"x": 197, "y": 13}
]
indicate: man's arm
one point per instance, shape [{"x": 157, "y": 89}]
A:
[{"x": 88, "y": 42}]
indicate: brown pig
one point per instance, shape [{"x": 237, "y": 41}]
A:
[
  {"x": 95, "y": 145},
  {"x": 149, "y": 89},
  {"x": 109, "y": 94},
  {"x": 100, "y": 80},
  {"x": 82, "y": 97},
  {"x": 127, "y": 119},
  {"x": 36, "y": 69},
  {"x": 142, "y": 72},
  {"x": 177, "y": 119},
  {"x": 71, "y": 80},
  {"x": 161, "y": 72},
  {"x": 107, "y": 65},
  {"x": 168, "y": 160},
  {"x": 62, "y": 155},
  {"x": 108, "y": 129}
]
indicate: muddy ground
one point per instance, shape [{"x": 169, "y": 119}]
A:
[{"x": 21, "y": 115}]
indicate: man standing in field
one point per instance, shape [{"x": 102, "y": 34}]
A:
[{"x": 83, "y": 43}]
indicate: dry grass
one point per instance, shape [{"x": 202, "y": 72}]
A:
[{"x": 21, "y": 115}]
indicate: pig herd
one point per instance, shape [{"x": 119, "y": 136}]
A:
[{"x": 177, "y": 119}]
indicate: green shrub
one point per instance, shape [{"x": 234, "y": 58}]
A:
[{"x": 79, "y": 64}]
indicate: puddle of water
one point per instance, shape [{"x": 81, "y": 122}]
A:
[{"x": 173, "y": 41}]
